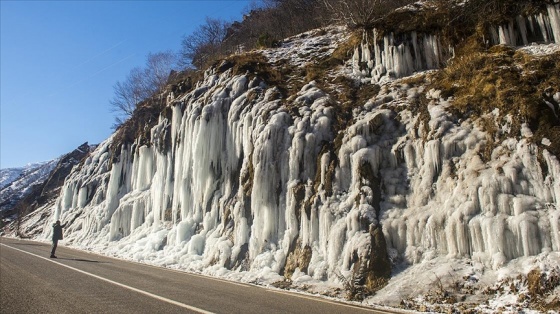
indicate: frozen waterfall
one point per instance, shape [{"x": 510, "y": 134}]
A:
[
  {"x": 394, "y": 56},
  {"x": 246, "y": 180}
]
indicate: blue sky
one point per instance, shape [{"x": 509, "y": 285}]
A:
[{"x": 60, "y": 60}]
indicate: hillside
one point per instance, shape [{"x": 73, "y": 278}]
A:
[
  {"x": 372, "y": 166},
  {"x": 17, "y": 183},
  {"x": 35, "y": 185}
]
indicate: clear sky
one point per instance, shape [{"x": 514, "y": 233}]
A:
[{"x": 60, "y": 60}]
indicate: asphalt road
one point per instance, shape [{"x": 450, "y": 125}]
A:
[{"x": 81, "y": 282}]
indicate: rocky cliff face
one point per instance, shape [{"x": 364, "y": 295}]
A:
[{"x": 51, "y": 187}]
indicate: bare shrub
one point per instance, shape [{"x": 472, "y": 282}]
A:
[
  {"x": 273, "y": 20},
  {"x": 204, "y": 44},
  {"x": 362, "y": 13}
]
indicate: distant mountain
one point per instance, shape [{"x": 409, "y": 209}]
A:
[
  {"x": 33, "y": 183},
  {"x": 16, "y": 183},
  {"x": 9, "y": 175}
]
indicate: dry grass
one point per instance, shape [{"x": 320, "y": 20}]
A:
[
  {"x": 184, "y": 81},
  {"x": 345, "y": 50},
  {"x": 255, "y": 65},
  {"x": 319, "y": 69},
  {"x": 455, "y": 22},
  {"x": 513, "y": 82}
]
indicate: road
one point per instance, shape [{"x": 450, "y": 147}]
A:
[{"x": 81, "y": 282}]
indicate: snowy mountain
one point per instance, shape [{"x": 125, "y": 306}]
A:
[
  {"x": 17, "y": 183},
  {"x": 345, "y": 168},
  {"x": 35, "y": 184},
  {"x": 9, "y": 175}
]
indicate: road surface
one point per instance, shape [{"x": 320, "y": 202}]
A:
[{"x": 81, "y": 282}]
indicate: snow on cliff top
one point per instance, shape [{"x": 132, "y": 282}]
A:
[
  {"x": 541, "y": 50},
  {"x": 308, "y": 46}
]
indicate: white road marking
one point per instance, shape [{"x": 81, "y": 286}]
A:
[{"x": 155, "y": 296}]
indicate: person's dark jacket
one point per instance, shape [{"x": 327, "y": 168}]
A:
[{"x": 57, "y": 232}]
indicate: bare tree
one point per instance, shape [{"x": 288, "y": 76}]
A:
[
  {"x": 129, "y": 92},
  {"x": 362, "y": 13},
  {"x": 158, "y": 68},
  {"x": 269, "y": 21},
  {"x": 290, "y": 17},
  {"x": 204, "y": 43},
  {"x": 141, "y": 83}
]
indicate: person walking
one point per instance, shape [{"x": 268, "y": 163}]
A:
[{"x": 57, "y": 235}]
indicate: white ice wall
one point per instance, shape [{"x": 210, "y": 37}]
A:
[
  {"x": 224, "y": 193},
  {"x": 459, "y": 206}
]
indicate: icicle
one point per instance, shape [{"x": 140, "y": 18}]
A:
[
  {"x": 356, "y": 61},
  {"x": 554, "y": 17},
  {"x": 494, "y": 35},
  {"x": 507, "y": 34},
  {"x": 522, "y": 27},
  {"x": 112, "y": 200},
  {"x": 542, "y": 21}
]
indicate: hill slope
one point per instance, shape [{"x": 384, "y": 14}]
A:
[
  {"x": 17, "y": 183},
  {"x": 36, "y": 185}
]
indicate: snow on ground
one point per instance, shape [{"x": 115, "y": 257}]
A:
[
  {"x": 306, "y": 47},
  {"x": 540, "y": 50},
  {"x": 442, "y": 284},
  {"x": 8, "y": 175}
]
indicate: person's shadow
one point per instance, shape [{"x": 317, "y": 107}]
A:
[{"x": 80, "y": 260}]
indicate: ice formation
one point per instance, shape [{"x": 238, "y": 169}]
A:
[
  {"x": 236, "y": 178},
  {"x": 524, "y": 30},
  {"x": 395, "y": 56}
]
